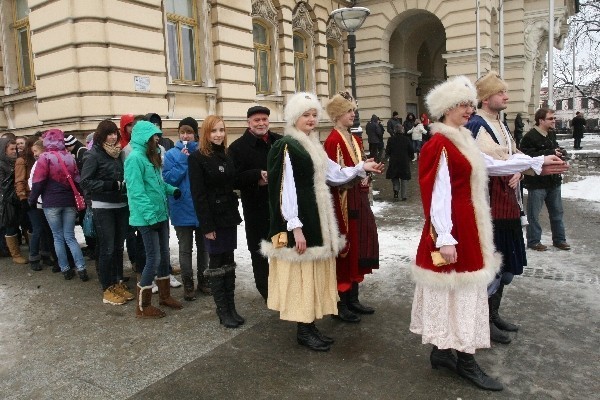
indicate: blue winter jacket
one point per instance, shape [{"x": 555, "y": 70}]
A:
[{"x": 175, "y": 172}]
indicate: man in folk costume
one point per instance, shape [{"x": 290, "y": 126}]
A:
[
  {"x": 353, "y": 212},
  {"x": 494, "y": 139}
]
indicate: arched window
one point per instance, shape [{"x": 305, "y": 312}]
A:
[
  {"x": 262, "y": 58},
  {"x": 182, "y": 32},
  {"x": 300, "y": 61},
  {"x": 23, "y": 44},
  {"x": 332, "y": 69}
]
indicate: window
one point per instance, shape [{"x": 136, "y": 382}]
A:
[
  {"x": 182, "y": 28},
  {"x": 584, "y": 103},
  {"x": 300, "y": 59},
  {"x": 332, "y": 67},
  {"x": 559, "y": 105},
  {"x": 262, "y": 58},
  {"x": 23, "y": 44},
  {"x": 569, "y": 104}
]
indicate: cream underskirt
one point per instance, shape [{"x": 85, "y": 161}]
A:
[
  {"x": 452, "y": 318},
  {"x": 302, "y": 291}
]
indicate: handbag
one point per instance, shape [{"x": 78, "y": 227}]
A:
[
  {"x": 89, "y": 229},
  {"x": 79, "y": 200}
]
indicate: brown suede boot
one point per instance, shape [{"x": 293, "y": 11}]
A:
[
  {"x": 144, "y": 308},
  {"x": 12, "y": 242},
  {"x": 164, "y": 294}
]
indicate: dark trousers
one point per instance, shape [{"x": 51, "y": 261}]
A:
[
  {"x": 260, "y": 267},
  {"x": 111, "y": 228},
  {"x": 577, "y": 143},
  {"x": 374, "y": 151}
]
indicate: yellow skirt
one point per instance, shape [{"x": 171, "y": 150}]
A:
[{"x": 302, "y": 291}]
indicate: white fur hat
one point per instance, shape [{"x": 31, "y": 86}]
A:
[
  {"x": 298, "y": 104},
  {"x": 449, "y": 94}
]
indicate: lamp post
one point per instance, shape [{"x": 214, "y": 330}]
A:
[{"x": 350, "y": 20}]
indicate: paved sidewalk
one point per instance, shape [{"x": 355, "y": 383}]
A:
[{"x": 58, "y": 341}]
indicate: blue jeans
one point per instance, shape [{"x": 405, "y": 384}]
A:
[
  {"x": 156, "y": 243},
  {"x": 62, "y": 224},
  {"x": 111, "y": 227},
  {"x": 535, "y": 200}
]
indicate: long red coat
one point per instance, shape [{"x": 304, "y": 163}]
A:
[{"x": 354, "y": 216}]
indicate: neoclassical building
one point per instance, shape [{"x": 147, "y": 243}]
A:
[{"x": 72, "y": 63}]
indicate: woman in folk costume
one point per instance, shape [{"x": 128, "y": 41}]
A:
[
  {"x": 352, "y": 210},
  {"x": 305, "y": 236},
  {"x": 455, "y": 259}
]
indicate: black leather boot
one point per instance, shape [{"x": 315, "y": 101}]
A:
[
  {"x": 317, "y": 333},
  {"x": 344, "y": 313},
  {"x": 217, "y": 285},
  {"x": 442, "y": 358},
  {"x": 496, "y": 335},
  {"x": 396, "y": 195},
  {"x": 230, "y": 293},
  {"x": 307, "y": 338},
  {"x": 494, "y": 303},
  {"x": 467, "y": 367},
  {"x": 353, "y": 303}
]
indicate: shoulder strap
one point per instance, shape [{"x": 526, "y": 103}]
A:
[{"x": 64, "y": 167}]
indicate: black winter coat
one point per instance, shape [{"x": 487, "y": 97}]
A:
[
  {"x": 249, "y": 155},
  {"x": 535, "y": 144},
  {"x": 100, "y": 174},
  {"x": 578, "y": 124},
  {"x": 211, "y": 183},
  {"x": 400, "y": 151}
]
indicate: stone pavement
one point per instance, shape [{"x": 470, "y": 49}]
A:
[{"x": 58, "y": 341}]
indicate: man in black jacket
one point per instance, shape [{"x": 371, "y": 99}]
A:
[
  {"x": 540, "y": 141},
  {"x": 249, "y": 154},
  {"x": 578, "y": 125}
]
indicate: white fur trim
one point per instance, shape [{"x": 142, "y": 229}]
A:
[
  {"x": 448, "y": 94},
  {"x": 142, "y": 288},
  {"x": 332, "y": 241},
  {"x": 298, "y": 104},
  {"x": 465, "y": 143}
]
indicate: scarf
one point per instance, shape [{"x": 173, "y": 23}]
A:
[{"x": 112, "y": 150}]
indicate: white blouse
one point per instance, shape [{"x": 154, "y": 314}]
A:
[
  {"x": 335, "y": 176},
  {"x": 440, "y": 212}
]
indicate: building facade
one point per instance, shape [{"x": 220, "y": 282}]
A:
[{"x": 72, "y": 63}]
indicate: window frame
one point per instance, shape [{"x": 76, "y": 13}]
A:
[
  {"x": 268, "y": 48},
  {"x": 304, "y": 56},
  {"x": 18, "y": 26},
  {"x": 179, "y": 20}
]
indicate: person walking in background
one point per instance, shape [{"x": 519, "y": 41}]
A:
[
  {"x": 541, "y": 140},
  {"x": 10, "y": 202},
  {"x": 518, "y": 132},
  {"x": 148, "y": 211},
  {"x": 374, "y": 137},
  {"x": 409, "y": 122},
  {"x": 212, "y": 177},
  {"x": 399, "y": 149},
  {"x": 51, "y": 181},
  {"x": 304, "y": 236},
  {"x": 182, "y": 212},
  {"x": 394, "y": 124},
  {"x": 102, "y": 178},
  {"x": 578, "y": 123},
  {"x": 249, "y": 153},
  {"x": 416, "y": 134}
]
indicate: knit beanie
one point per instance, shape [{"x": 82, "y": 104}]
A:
[
  {"x": 70, "y": 140},
  {"x": 489, "y": 85},
  {"x": 191, "y": 122}
]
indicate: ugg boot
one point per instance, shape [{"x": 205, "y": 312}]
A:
[
  {"x": 344, "y": 313},
  {"x": 12, "y": 242},
  {"x": 442, "y": 358},
  {"x": 494, "y": 304},
  {"x": 189, "y": 294},
  {"x": 353, "y": 303},
  {"x": 229, "y": 283},
  {"x": 217, "y": 286},
  {"x": 468, "y": 368},
  {"x": 164, "y": 294},
  {"x": 306, "y": 337},
  {"x": 144, "y": 308}
]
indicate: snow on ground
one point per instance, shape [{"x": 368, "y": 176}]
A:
[
  {"x": 590, "y": 144},
  {"x": 586, "y": 189}
]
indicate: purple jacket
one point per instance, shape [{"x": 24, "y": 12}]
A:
[{"x": 49, "y": 178}]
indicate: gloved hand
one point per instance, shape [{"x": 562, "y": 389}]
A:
[
  {"x": 25, "y": 205},
  {"x": 155, "y": 227},
  {"x": 176, "y": 194}
]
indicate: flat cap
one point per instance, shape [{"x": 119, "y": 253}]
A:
[{"x": 257, "y": 110}]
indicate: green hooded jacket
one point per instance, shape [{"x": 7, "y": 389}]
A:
[{"x": 146, "y": 190}]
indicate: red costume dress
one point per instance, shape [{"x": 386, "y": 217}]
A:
[{"x": 353, "y": 212}]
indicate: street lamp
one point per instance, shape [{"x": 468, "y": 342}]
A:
[{"x": 350, "y": 20}]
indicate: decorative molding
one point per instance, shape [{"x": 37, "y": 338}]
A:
[
  {"x": 333, "y": 32},
  {"x": 301, "y": 20},
  {"x": 266, "y": 10}
]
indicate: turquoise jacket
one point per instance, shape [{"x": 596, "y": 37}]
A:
[{"x": 146, "y": 190}]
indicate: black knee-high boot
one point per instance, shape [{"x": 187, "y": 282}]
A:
[
  {"x": 494, "y": 303},
  {"x": 216, "y": 275},
  {"x": 344, "y": 313},
  {"x": 229, "y": 279},
  {"x": 467, "y": 367},
  {"x": 354, "y": 304}
]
